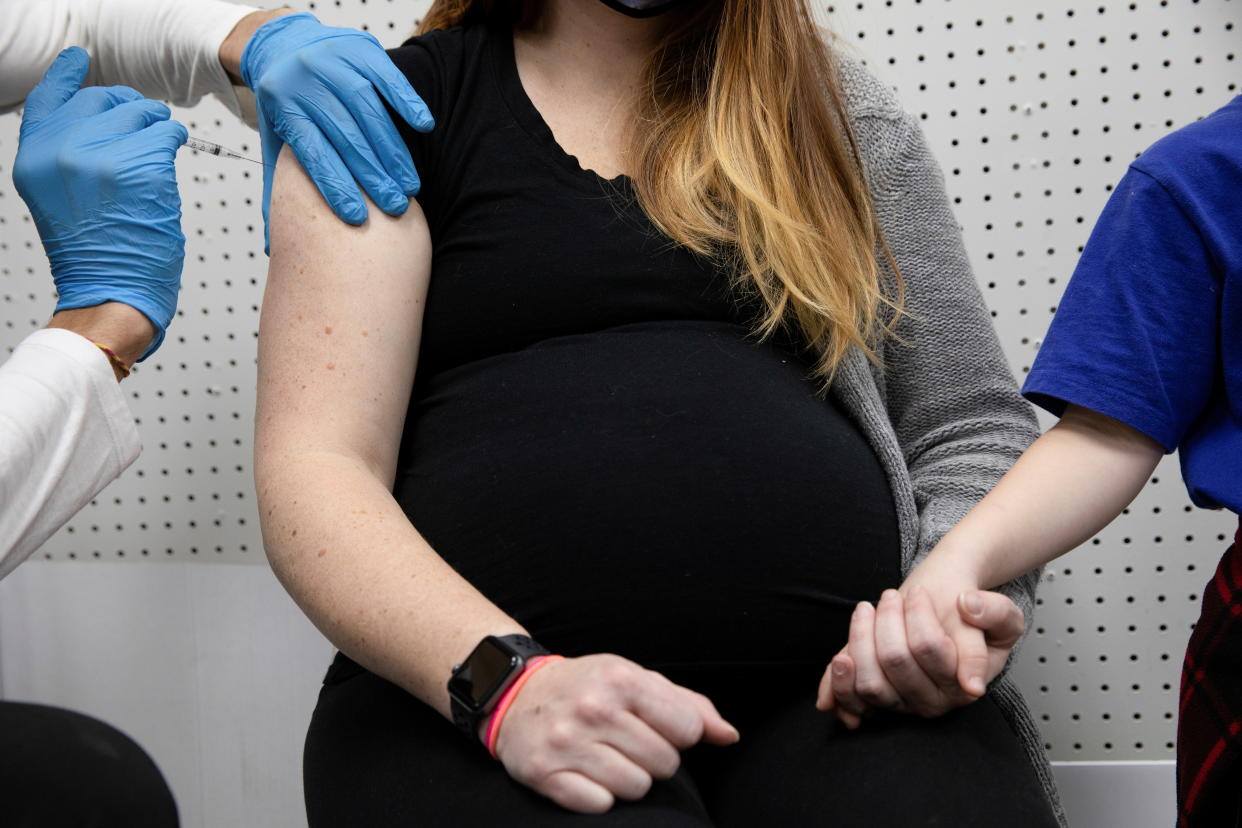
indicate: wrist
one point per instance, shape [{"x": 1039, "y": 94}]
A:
[
  {"x": 479, "y": 683},
  {"x": 235, "y": 43},
  {"x": 949, "y": 562},
  {"x": 124, "y": 330},
  {"x": 491, "y": 731}
]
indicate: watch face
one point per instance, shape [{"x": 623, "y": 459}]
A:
[{"x": 484, "y": 674}]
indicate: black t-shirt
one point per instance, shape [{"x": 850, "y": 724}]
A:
[
  {"x": 528, "y": 245},
  {"x": 595, "y": 440}
]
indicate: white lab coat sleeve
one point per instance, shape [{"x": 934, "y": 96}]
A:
[
  {"x": 166, "y": 49},
  {"x": 65, "y": 433}
]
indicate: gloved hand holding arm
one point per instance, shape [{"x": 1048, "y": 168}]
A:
[
  {"x": 318, "y": 89},
  {"x": 315, "y": 86}
]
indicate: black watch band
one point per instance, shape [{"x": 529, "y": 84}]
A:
[{"x": 478, "y": 682}]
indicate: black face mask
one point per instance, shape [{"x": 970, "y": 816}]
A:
[{"x": 641, "y": 8}]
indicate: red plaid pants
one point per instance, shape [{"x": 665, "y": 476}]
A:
[{"x": 1209, "y": 724}]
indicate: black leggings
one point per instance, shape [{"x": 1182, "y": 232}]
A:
[
  {"x": 60, "y": 769},
  {"x": 377, "y": 756}
]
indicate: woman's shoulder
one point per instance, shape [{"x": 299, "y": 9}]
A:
[
  {"x": 889, "y": 138},
  {"x": 866, "y": 96},
  {"x": 443, "y": 42},
  {"x": 436, "y": 61}
]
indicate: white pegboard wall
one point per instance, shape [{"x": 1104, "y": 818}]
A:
[
  {"x": 1033, "y": 110},
  {"x": 190, "y": 494}
]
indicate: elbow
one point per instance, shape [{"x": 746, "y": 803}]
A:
[{"x": 276, "y": 483}]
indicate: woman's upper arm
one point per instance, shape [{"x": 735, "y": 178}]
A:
[
  {"x": 340, "y": 327},
  {"x": 952, "y": 397}
]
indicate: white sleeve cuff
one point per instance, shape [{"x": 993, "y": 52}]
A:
[
  {"x": 66, "y": 432},
  {"x": 93, "y": 364}
]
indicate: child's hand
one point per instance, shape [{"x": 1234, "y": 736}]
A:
[{"x": 926, "y": 650}]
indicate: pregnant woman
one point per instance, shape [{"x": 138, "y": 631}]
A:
[{"x": 585, "y": 461}]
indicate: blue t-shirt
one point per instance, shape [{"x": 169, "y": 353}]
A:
[{"x": 1149, "y": 331}]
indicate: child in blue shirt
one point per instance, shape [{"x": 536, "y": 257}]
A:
[{"x": 1143, "y": 357}]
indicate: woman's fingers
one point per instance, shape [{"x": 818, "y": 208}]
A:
[
  {"x": 825, "y": 699},
  {"x": 680, "y": 715},
  {"x": 870, "y": 683},
  {"x": 849, "y": 707},
  {"x": 613, "y": 771},
  {"x": 575, "y": 792},
  {"x": 635, "y": 739},
  {"x": 842, "y": 671},
  {"x": 716, "y": 730},
  {"x": 904, "y": 655},
  {"x": 929, "y": 643},
  {"x": 848, "y": 719},
  {"x": 917, "y": 692}
]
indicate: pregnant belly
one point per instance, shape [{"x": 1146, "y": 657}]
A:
[{"x": 673, "y": 492}]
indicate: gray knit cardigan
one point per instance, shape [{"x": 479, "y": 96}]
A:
[{"x": 943, "y": 412}]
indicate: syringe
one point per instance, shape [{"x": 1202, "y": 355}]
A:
[{"x": 215, "y": 149}]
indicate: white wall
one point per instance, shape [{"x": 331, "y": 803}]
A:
[{"x": 210, "y": 667}]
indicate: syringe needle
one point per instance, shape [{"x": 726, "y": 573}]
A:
[{"x": 212, "y": 148}]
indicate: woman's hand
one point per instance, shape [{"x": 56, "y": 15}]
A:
[
  {"x": 926, "y": 650},
  {"x": 586, "y": 731}
]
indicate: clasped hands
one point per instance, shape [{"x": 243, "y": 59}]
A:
[{"x": 930, "y": 647}]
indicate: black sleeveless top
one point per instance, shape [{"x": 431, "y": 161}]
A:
[{"x": 595, "y": 441}]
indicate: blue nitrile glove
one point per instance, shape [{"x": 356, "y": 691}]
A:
[
  {"x": 95, "y": 167},
  {"x": 316, "y": 91}
]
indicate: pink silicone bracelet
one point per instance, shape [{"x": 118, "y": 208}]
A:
[{"x": 492, "y": 734}]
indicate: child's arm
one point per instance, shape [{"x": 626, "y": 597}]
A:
[
  {"x": 929, "y": 655},
  {"x": 1071, "y": 483}
]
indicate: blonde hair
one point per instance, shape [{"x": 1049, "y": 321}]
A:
[{"x": 743, "y": 152}]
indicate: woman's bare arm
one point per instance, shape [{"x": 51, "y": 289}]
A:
[
  {"x": 337, "y": 349},
  {"x": 338, "y": 344}
]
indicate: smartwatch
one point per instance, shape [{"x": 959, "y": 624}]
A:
[{"x": 478, "y": 682}]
